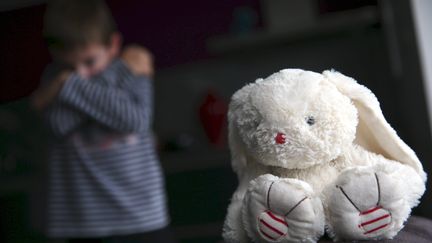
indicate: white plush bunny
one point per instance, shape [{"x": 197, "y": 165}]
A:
[{"x": 313, "y": 152}]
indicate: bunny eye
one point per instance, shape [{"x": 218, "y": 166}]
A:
[{"x": 310, "y": 120}]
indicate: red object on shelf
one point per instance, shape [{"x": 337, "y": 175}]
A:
[{"x": 213, "y": 114}]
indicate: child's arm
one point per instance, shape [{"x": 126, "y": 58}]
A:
[
  {"x": 60, "y": 119},
  {"x": 137, "y": 58},
  {"x": 44, "y": 95},
  {"x": 124, "y": 110}
]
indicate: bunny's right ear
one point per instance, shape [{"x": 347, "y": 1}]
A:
[{"x": 240, "y": 116}]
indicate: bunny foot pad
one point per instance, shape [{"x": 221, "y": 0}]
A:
[
  {"x": 366, "y": 204},
  {"x": 374, "y": 221},
  {"x": 282, "y": 210},
  {"x": 272, "y": 227}
]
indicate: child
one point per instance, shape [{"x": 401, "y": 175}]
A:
[{"x": 105, "y": 181}]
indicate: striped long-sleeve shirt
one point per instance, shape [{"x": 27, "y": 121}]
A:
[{"x": 104, "y": 176}]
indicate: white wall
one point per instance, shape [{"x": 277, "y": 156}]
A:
[{"x": 422, "y": 13}]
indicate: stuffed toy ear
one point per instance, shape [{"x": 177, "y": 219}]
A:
[
  {"x": 374, "y": 133},
  {"x": 240, "y": 114},
  {"x": 238, "y": 155}
]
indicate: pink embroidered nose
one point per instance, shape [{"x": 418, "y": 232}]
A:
[{"x": 280, "y": 138}]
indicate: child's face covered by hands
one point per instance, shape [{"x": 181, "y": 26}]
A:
[
  {"x": 90, "y": 59},
  {"x": 87, "y": 61}
]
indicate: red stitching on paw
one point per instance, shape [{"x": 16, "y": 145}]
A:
[
  {"x": 370, "y": 210},
  {"x": 271, "y": 227},
  {"x": 375, "y": 229},
  {"x": 374, "y": 220},
  {"x": 266, "y": 235},
  {"x": 276, "y": 218}
]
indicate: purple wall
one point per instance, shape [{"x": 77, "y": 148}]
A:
[{"x": 175, "y": 31}]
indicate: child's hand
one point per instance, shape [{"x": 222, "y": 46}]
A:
[
  {"x": 45, "y": 95},
  {"x": 139, "y": 60}
]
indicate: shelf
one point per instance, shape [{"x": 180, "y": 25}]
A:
[{"x": 329, "y": 24}]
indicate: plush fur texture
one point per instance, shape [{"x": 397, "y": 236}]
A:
[{"x": 340, "y": 166}]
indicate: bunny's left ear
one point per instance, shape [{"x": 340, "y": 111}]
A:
[{"x": 374, "y": 133}]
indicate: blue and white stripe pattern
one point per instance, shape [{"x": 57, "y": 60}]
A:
[{"x": 104, "y": 175}]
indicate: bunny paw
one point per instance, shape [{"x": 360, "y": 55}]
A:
[
  {"x": 374, "y": 221},
  {"x": 282, "y": 210},
  {"x": 366, "y": 203}
]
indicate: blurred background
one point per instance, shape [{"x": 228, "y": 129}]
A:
[{"x": 204, "y": 52}]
